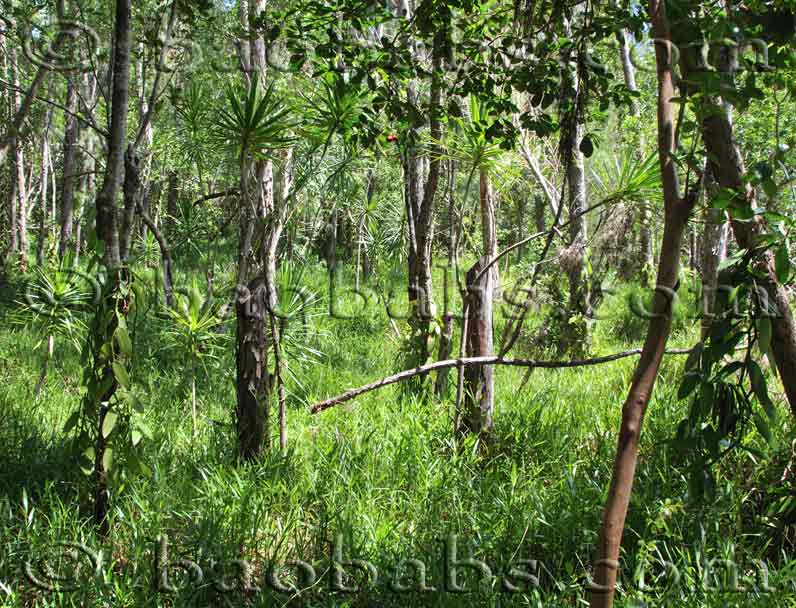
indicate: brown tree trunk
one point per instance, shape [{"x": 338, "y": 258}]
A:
[
  {"x": 714, "y": 247},
  {"x": 677, "y": 211},
  {"x": 253, "y": 383},
  {"x": 479, "y": 380},
  {"x": 572, "y": 135},
  {"x": 420, "y": 199},
  {"x": 727, "y": 166}
]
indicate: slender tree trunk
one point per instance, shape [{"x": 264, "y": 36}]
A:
[
  {"x": 727, "y": 166},
  {"x": 132, "y": 196},
  {"x": 107, "y": 231},
  {"x": 41, "y": 237},
  {"x": 165, "y": 255},
  {"x": 479, "y": 380},
  {"x": 70, "y": 164},
  {"x": 16, "y": 128},
  {"x": 538, "y": 212},
  {"x": 253, "y": 381},
  {"x": 11, "y": 203},
  {"x": 172, "y": 201},
  {"x": 676, "y": 215},
  {"x": 644, "y": 216},
  {"x": 446, "y": 336},
  {"x": 489, "y": 224},
  {"x": 575, "y": 336},
  {"x": 714, "y": 246},
  {"x": 420, "y": 196}
]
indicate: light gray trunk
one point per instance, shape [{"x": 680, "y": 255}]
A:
[{"x": 70, "y": 165}]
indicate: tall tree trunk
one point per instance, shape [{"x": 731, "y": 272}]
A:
[
  {"x": 16, "y": 192},
  {"x": 172, "y": 202},
  {"x": 107, "y": 231},
  {"x": 253, "y": 381},
  {"x": 488, "y": 223},
  {"x": 70, "y": 164},
  {"x": 676, "y": 215},
  {"x": 479, "y": 387},
  {"x": 714, "y": 247},
  {"x": 644, "y": 216},
  {"x": 11, "y": 203},
  {"x": 575, "y": 335},
  {"x": 41, "y": 237},
  {"x": 132, "y": 196},
  {"x": 446, "y": 336},
  {"x": 420, "y": 196},
  {"x": 727, "y": 167},
  {"x": 16, "y": 128}
]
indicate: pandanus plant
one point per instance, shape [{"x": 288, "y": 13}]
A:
[
  {"x": 52, "y": 306},
  {"x": 192, "y": 335}
]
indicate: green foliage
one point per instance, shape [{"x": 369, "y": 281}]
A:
[
  {"x": 54, "y": 303},
  {"x": 729, "y": 393},
  {"x": 254, "y": 122}
]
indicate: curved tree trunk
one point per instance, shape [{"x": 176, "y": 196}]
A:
[
  {"x": 677, "y": 211},
  {"x": 727, "y": 166}
]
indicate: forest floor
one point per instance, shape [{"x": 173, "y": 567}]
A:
[{"x": 380, "y": 479}]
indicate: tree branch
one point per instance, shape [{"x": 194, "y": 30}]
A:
[{"x": 469, "y": 361}]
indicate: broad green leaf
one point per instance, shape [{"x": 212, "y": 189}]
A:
[
  {"x": 121, "y": 374},
  {"x": 107, "y": 459},
  {"x": 123, "y": 338},
  {"x": 72, "y": 421},
  {"x": 762, "y": 427},
  {"x": 690, "y": 382},
  {"x": 136, "y": 437},
  {"x": 111, "y": 418},
  {"x": 693, "y": 358}
]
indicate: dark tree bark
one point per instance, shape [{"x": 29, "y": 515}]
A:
[
  {"x": 420, "y": 196},
  {"x": 479, "y": 380},
  {"x": 107, "y": 231},
  {"x": 132, "y": 199},
  {"x": 539, "y": 212}
]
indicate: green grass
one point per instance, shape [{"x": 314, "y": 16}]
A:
[{"x": 383, "y": 472}]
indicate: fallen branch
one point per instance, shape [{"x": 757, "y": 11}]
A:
[{"x": 468, "y": 361}]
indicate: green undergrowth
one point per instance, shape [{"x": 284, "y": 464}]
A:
[{"x": 380, "y": 479}]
